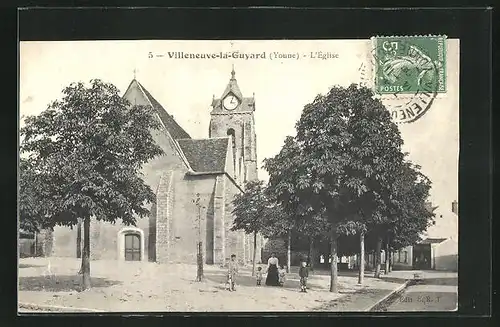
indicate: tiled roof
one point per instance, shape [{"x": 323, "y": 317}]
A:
[
  {"x": 175, "y": 130},
  {"x": 232, "y": 87},
  {"x": 205, "y": 155},
  {"x": 433, "y": 240}
]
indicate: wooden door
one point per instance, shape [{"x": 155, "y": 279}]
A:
[{"x": 132, "y": 247}]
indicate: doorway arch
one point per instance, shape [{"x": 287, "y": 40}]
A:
[{"x": 131, "y": 244}]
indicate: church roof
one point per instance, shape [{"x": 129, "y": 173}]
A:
[
  {"x": 232, "y": 87},
  {"x": 205, "y": 155},
  {"x": 175, "y": 130}
]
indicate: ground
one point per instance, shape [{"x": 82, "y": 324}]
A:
[
  {"x": 144, "y": 286},
  {"x": 436, "y": 291}
]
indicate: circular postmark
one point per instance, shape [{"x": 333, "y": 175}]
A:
[{"x": 408, "y": 77}]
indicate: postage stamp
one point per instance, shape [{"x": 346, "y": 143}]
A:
[
  {"x": 408, "y": 73},
  {"x": 409, "y": 64}
]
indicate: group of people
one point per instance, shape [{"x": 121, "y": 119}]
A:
[{"x": 275, "y": 276}]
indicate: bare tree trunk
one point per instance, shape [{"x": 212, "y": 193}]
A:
[
  {"x": 254, "y": 252},
  {"x": 199, "y": 250},
  {"x": 378, "y": 257},
  {"x": 386, "y": 268},
  {"x": 390, "y": 260},
  {"x": 79, "y": 239},
  {"x": 311, "y": 253},
  {"x": 333, "y": 267},
  {"x": 361, "y": 274},
  {"x": 199, "y": 261},
  {"x": 86, "y": 254},
  {"x": 289, "y": 252},
  {"x": 35, "y": 249}
]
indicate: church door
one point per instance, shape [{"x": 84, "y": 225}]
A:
[{"x": 132, "y": 247}]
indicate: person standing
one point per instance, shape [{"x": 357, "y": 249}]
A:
[
  {"x": 259, "y": 276},
  {"x": 303, "y": 274},
  {"x": 272, "y": 278},
  {"x": 282, "y": 275},
  {"x": 232, "y": 272}
]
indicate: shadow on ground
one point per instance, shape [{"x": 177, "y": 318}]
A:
[
  {"x": 250, "y": 281},
  {"x": 397, "y": 280},
  {"x": 60, "y": 283},
  {"x": 354, "y": 273},
  {"x": 356, "y": 301},
  {"x": 451, "y": 281},
  {"x": 25, "y": 265}
]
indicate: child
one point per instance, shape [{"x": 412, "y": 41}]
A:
[
  {"x": 232, "y": 271},
  {"x": 259, "y": 275},
  {"x": 303, "y": 274},
  {"x": 282, "y": 274}
]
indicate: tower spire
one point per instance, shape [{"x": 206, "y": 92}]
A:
[
  {"x": 233, "y": 73},
  {"x": 135, "y": 72}
]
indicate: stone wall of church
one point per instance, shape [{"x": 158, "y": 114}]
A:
[
  {"x": 104, "y": 243},
  {"x": 170, "y": 161},
  {"x": 244, "y": 139},
  {"x": 103, "y": 240},
  {"x": 161, "y": 221},
  {"x": 64, "y": 242},
  {"x": 234, "y": 240},
  {"x": 219, "y": 220},
  {"x": 188, "y": 225}
]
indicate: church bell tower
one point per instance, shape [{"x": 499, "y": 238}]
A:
[{"x": 233, "y": 115}]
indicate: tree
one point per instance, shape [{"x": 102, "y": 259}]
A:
[
  {"x": 199, "y": 243},
  {"x": 405, "y": 214},
  {"x": 352, "y": 228},
  {"x": 314, "y": 228},
  {"x": 249, "y": 210},
  {"x": 89, "y": 148},
  {"x": 344, "y": 152},
  {"x": 278, "y": 223},
  {"x": 32, "y": 210}
]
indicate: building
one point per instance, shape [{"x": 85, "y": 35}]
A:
[
  {"x": 212, "y": 170},
  {"x": 439, "y": 246}
]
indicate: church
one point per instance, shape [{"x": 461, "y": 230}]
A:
[{"x": 195, "y": 182}]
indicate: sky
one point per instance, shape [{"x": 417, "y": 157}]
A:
[{"x": 282, "y": 87}]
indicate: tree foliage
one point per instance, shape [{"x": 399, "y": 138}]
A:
[
  {"x": 83, "y": 160},
  {"x": 342, "y": 165},
  {"x": 85, "y": 153},
  {"x": 345, "y": 151},
  {"x": 32, "y": 206},
  {"x": 412, "y": 215},
  {"x": 250, "y": 208}
]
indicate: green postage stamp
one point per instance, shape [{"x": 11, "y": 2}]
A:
[{"x": 409, "y": 64}]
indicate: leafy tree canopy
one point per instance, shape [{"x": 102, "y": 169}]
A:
[
  {"x": 84, "y": 154},
  {"x": 340, "y": 162}
]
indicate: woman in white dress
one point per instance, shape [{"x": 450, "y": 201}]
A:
[{"x": 272, "y": 278}]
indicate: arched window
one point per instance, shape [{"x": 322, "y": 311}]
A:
[{"x": 230, "y": 132}]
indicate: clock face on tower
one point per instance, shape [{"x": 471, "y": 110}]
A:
[{"x": 230, "y": 102}]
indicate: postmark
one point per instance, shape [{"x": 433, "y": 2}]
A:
[{"x": 408, "y": 74}]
